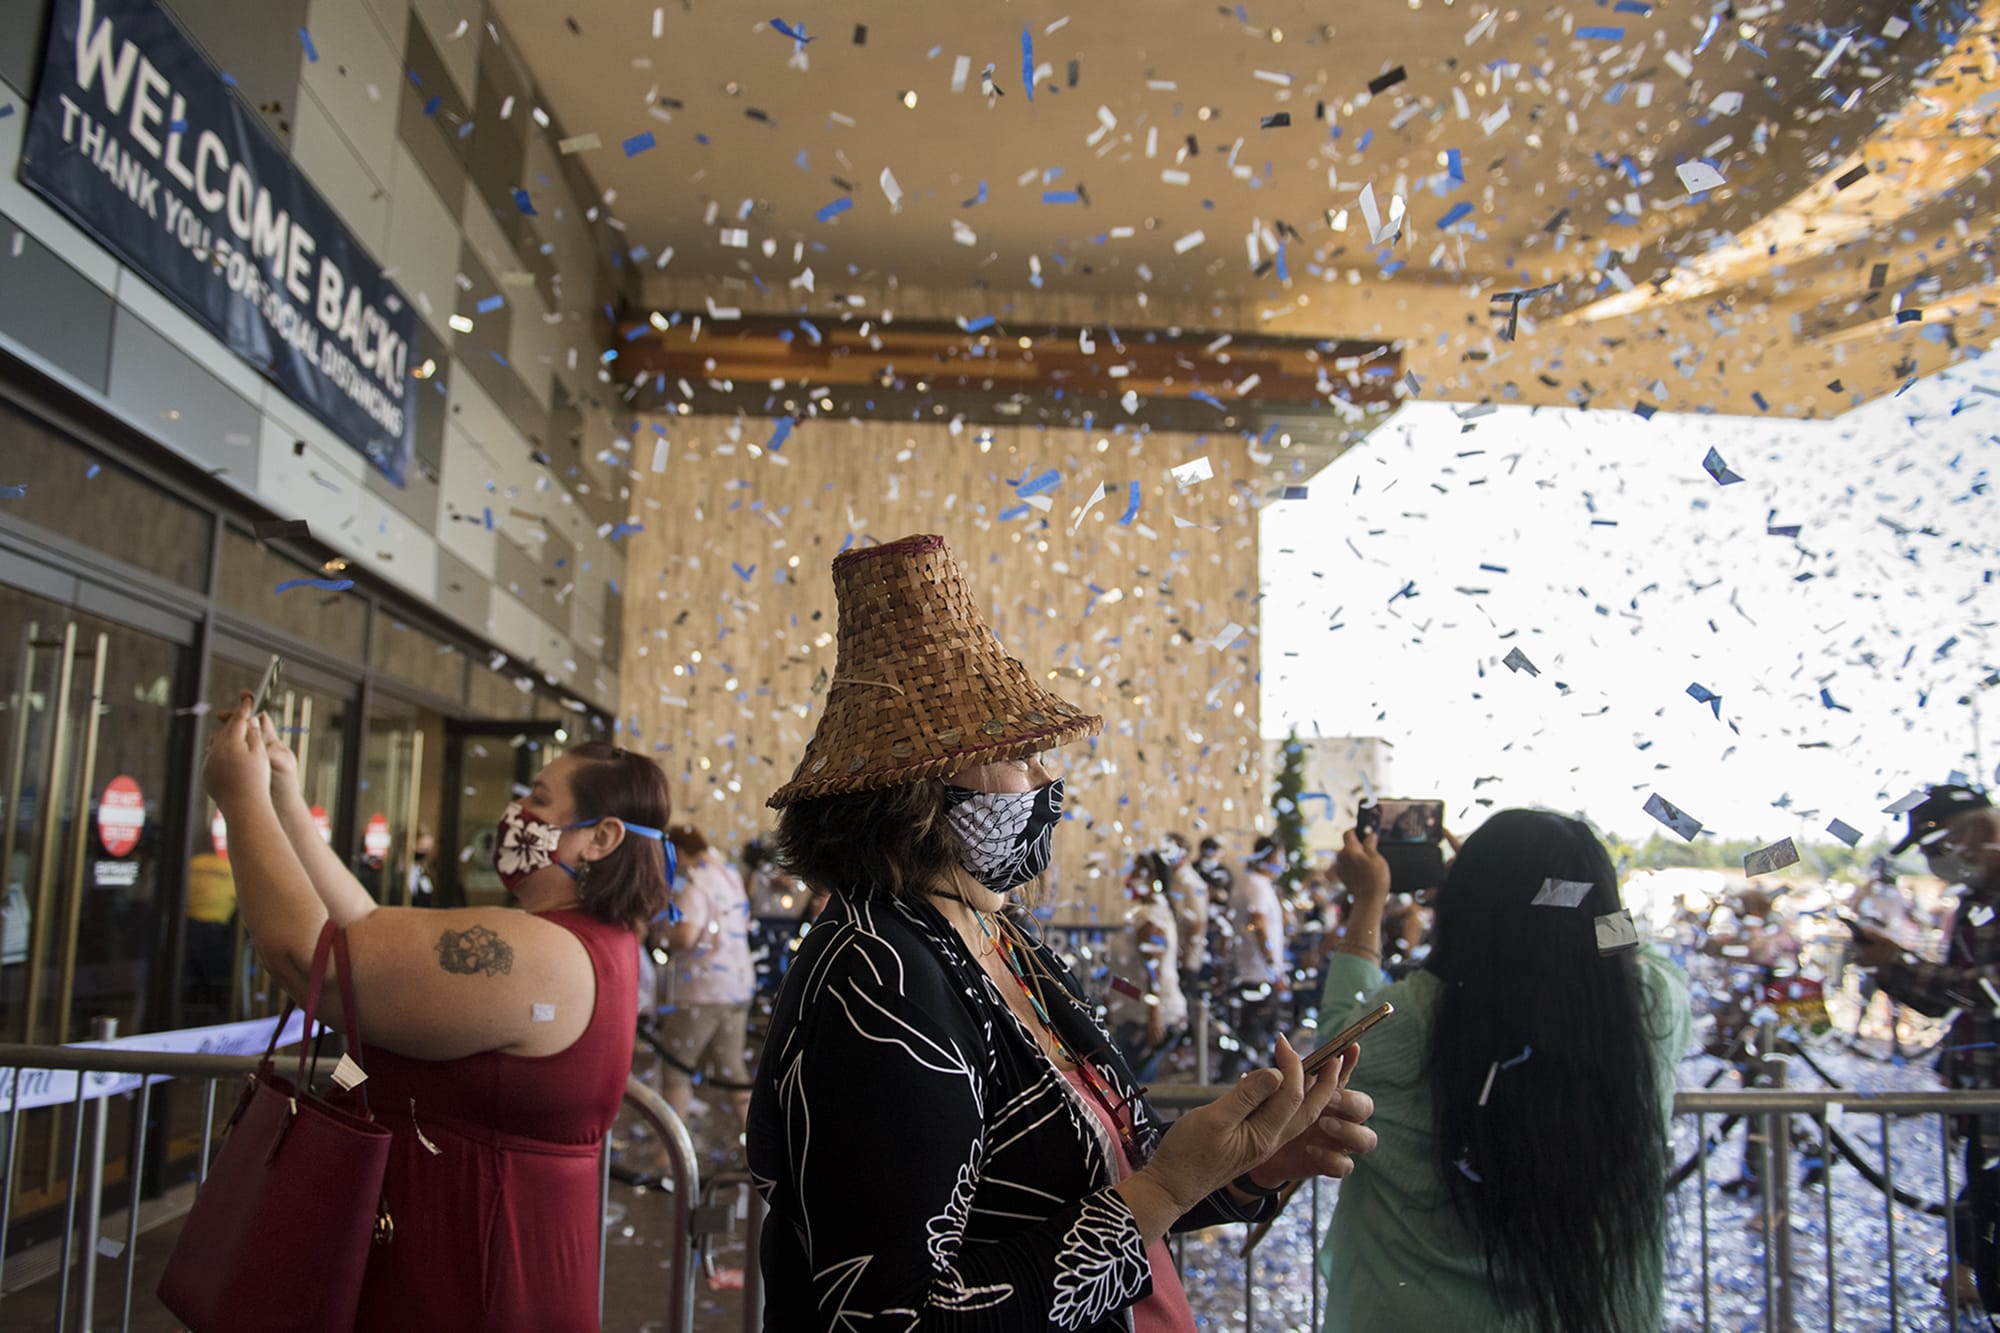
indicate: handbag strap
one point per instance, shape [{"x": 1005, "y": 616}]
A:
[{"x": 332, "y": 946}]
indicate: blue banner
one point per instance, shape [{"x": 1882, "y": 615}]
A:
[{"x": 145, "y": 145}]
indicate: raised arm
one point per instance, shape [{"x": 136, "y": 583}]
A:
[{"x": 344, "y": 898}]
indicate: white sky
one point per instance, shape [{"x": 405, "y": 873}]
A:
[{"x": 1679, "y": 581}]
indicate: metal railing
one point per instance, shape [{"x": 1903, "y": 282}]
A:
[
  {"x": 1772, "y": 1111},
  {"x": 79, "y": 1248}
]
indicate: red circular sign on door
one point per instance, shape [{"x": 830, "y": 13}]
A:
[
  {"x": 121, "y": 815},
  {"x": 375, "y": 838},
  {"x": 322, "y": 823},
  {"x": 218, "y": 835}
]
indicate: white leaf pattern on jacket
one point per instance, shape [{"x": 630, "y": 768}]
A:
[
  {"x": 1101, "y": 1263},
  {"x": 947, "y": 1229}
]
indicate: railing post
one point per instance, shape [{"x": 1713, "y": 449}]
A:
[
  {"x": 753, "y": 1265},
  {"x": 1201, "y": 1070},
  {"x": 101, "y": 1029},
  {"x": 1777, "y": 1128}
]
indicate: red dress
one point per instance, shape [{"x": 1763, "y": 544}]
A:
[{"x": 494, "y": 1174}]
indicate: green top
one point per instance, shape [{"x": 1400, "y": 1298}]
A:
[{"x": 1397, "y": 1255}]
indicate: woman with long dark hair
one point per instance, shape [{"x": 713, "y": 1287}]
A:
[{"x": 1522, "y": 1096}]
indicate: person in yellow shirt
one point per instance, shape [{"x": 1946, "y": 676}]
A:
[{"x": 211, "y": 913}]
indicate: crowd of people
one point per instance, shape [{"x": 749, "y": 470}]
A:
[{"x": 876, "y": 965}]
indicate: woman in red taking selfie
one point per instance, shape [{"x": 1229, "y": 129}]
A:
[{"x": 497, "y": 1040}]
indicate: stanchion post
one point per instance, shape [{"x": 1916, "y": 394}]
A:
[
  {"x": 1778, "y": 1177},
  {"x": 101, "y": 1029},
  {"x": 1201, "y": 1021}
]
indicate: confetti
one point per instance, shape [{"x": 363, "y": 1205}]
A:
[
  {"x": 1673, "y": 816},
  {"x": 1187, "y": 474},
  {"x": 13, "y": 491},
  {"x": 579, "y": 143},
  {"x": 1844, "y": 831},
  {"x": 1561, "y": 893},
  {"x": 1848, "y": 178},
  {"x": 306, "y": 41},
  {"x": 1716, "y": 468},
  {"x": 1698, "y": 177},
  {"x": 639, "y": 143},
  {"x": 1230, "y": 634},
  {"x": 1028, "y": 62},
  {"x": 523, "y": 202},
  {"x": 1701, "y": 694},
  {"x": 828, "y": 212},
  {"x": 797, "y": 34},
  {"x": 1382, "y": 83},
  {"x": 324, "y": 585},
  {"x": 1516, "y": 660},
  {"x": 1767, "y": 859}
]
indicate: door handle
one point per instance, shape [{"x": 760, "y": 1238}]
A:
[
  {"x": 45, "y": 844},
  {"x": 79, "y": 838},
  {"x": 414, "y": 809},
  {"x": 31, "y": 646}
]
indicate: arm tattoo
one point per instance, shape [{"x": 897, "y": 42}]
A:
[{"x": 474, "y": 950}]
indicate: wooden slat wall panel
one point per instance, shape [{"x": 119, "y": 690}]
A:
[{"x": 711, "y": 573}]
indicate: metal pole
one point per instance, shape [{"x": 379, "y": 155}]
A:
[
  {"x": 1250, "y": 1291},
  {"x": 208, "y": 1131},
  {"x": 101, "y": 1029},
  {"x": 7, "y": 1180},
  {"x": 1950, "y": 1216},
  {"x": 753, "y": 1267},
  {"x": 1826, "y": 1202},
  {"x": 1201, "y": 1069},
  {"x": 1889, "y": 1221},
  {"x": 69, "y": 1208},
  {"x": 1312, "y": 1252},
  {"x": 132, "y": 1214},
  {"x": 1701, "y": 1148},
  {"x": 1778, "y": 1171},
  {"x": 603, "y": 1219}
]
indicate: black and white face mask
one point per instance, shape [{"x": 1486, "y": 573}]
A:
[{"x": 1004, "y": 837}]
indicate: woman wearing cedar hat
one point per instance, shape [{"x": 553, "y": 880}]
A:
[{"x": 944, "y": 1136}]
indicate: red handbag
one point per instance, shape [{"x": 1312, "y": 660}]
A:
[{"x": 278, "y": 1238}]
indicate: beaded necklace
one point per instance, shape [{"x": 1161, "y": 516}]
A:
[{"x": 1010, "y": 946}]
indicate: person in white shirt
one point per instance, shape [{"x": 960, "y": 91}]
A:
[
  {"x": 1146, "y": 1006},
  {"x": 1257, "y": 919},
  {"x": 1187, "y": 894},
  {"x": 706, "y": 1021}
]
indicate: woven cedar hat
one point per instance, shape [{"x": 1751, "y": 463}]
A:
[{"x": 921, "y": 688}]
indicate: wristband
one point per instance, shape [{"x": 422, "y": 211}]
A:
[{"x": 1249, "y": 1186}]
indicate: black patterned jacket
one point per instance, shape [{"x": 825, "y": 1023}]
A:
[{"x": 925, "y": 1165}]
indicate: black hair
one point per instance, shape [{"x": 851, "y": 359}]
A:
[
  {"x": 1556, "y": 1167},
  {"x": 893, "y": 841}
]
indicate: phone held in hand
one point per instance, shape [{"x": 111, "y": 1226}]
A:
[
  {"x": 1409, "y": 836},
  {"x": 267, "y": 689},
  {"x": 1328, "y": 1051}
]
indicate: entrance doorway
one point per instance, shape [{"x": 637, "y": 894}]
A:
[{"x": 487, "y": 765}]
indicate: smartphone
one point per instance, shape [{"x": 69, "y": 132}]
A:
[
  {"x": 1328, "y": 1051},
  {"x": 1401, "y": 823},
  {"x": 267, "y": 689}
]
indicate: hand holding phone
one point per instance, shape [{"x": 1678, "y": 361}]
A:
[
  {"x": 267, "y": 689},
  {"x": 1330, "y": 1050}
]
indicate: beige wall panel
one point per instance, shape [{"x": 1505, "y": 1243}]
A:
[{"x": 1180, "y": 748}]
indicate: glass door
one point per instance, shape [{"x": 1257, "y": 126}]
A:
[
  {"x": 401, "y": 799},
  {"x": 487, "y": 764},
  {"x": 90, "y": 821},
  {"x": 225, "y": 982}
]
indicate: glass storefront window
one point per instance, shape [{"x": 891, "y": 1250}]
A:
[
  {"x": 251, "y": 573},
  {"x": 80, "y": 494}
]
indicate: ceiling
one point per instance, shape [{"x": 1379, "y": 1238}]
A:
[{"x": 1151, "y": 177}]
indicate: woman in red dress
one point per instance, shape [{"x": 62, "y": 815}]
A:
[{"x": 497, "y": 1041}]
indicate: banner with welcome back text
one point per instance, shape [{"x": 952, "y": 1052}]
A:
[{"x": 147, "y": 146}]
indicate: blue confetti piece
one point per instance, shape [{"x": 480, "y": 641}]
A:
[
  {"x": 833, "y": 210},
  {"x": 1494, "y": 569},
  {"x": 465, "y": 130},
  {"x": 1713, "y": 465},
  {"x": 324, "y": 585},
  {"x": 1061, "y": 197},
  {"x": 625, "y": 530},
  {"x": 1457, "y": 211},
  {"x": 228, "y": 79},
  {"x": 1701, "y": 694},
  {"x": 1048, "y": 481},
  {"x": 1209, "y": 398},
  {"x": 8, "y": 110},
  {"x": 1644, "y": 11},
  {"x": 1028, "y": 61},
  {"x": 1294, "y": 493},
  {"x": 1826, "y": 702},
  {"x": 976, "y": 199},
  {"x": 490, "y": 304},
  {"x": 639, "y": 143},
  {"x": 1131, "y": 505},
  {"x": 1644, "y": 411},
  {"x": 90, "y": 473},
  {"x": 1012, "y": 512},
  {"x": 489, "y": 518},
  {"x": 1454, "y": 165},
  {"x": 312, "y": 52},
  {"x": 430, "y": 107},
  {"x": 1601, "y": 34},
  {"x": 1284, "y": 269},
  {"x": 741, "y": 572},
  {"x": 797, "y": 34},
  {"x": 523, "y": 202},
  {"x": 13, "y": 492},
  {"x": 1758, "y": 399},
  {"x": 979, "y": 325},
  {"x": 780, "y": 433}
]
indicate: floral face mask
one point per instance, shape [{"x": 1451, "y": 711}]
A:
[{"x": 527, "y": 844}]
